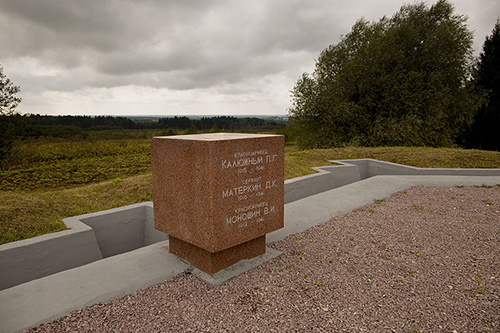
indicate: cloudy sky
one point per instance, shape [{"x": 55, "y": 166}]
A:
[{"x": 125, "y": 57}]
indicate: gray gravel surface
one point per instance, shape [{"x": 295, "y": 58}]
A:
[{"x": 425, "y": 260}]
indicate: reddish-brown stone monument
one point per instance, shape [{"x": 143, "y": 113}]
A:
[{"x": 218, "y": 195}]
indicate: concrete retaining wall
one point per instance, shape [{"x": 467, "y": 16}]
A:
[
  {"x": 123, "y": 229},
  {"x": 370, "y": 168},
  {"x": 350, "y": 171},
  {"x": 327, "y": 178},
  {"x": 107, "y": 233},
  {"x": 40, "y": 256},
  {"x": 90, "y": 237}
]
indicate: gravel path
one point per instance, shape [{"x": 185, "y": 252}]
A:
[{"x": 425, "y": 260}]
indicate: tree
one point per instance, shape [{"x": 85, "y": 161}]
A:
[
  {"x": 191, "y": 130},
  {"x": 8, "y": 91},
  {"x": 9, "y": 119},
  {"x": 485, "y": 131},
  {"x": 401, "y": 81}
]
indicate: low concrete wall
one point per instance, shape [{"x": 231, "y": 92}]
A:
[
  {"x": 350, "y": 171},
  {"x": 327, "y": 178},
  {"x": 123, "y": 229},
  {"x": 370, "y": 168},
  {"x": 90, "y": 237},
  {"x": 117, "y": 231},
  {"x": 131, "y": 227},
  {"x": 44, "y": 255},
  {"x": 151, "y": 235}
]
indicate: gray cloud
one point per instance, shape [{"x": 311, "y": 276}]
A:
[
  {"x": 62, "y": 25},
  {"x": 183, "y": 45}
]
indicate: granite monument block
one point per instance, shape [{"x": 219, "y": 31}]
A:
[{"x": 218, "y": 195}]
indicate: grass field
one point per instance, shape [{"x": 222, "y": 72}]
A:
[{"x": 50, "y": 180}]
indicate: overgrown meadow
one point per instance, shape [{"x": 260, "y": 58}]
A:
[{"x": 50, "y": 179}]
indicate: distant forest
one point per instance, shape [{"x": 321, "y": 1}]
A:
[{"x": 43, "y": 125}]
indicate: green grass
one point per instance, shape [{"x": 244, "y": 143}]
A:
[
  {"x": 52, "y": 179},
  {"x": 66, "y": 164},
  {"x": 299, "y": 163},
  {"x": 31, "y": 213}
]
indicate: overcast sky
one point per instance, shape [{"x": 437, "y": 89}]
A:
[{"x": 186, "y": 57}]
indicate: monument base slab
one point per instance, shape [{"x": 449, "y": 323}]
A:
[
  {"x": 211, "y": 263},
  {"x": 237, "y": 269}
]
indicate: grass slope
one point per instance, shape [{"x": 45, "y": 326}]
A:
[
  {"x": 50, "y": 181},
  {"x": 299, "y": 162}
]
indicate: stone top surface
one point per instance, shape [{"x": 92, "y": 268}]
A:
[{"x": 217, "y": 136}]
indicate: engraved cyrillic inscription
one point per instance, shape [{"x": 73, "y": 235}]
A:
[{"x": 250, "y": 192}]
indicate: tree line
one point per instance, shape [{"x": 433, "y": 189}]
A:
[
  {"x": 83, "y": 122},
  {"x": 34, "y": 125},
  {"x": 176, "y": 122},
  {"x": 220, "y": 122},
  {"x": 407, "y": 80}
]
